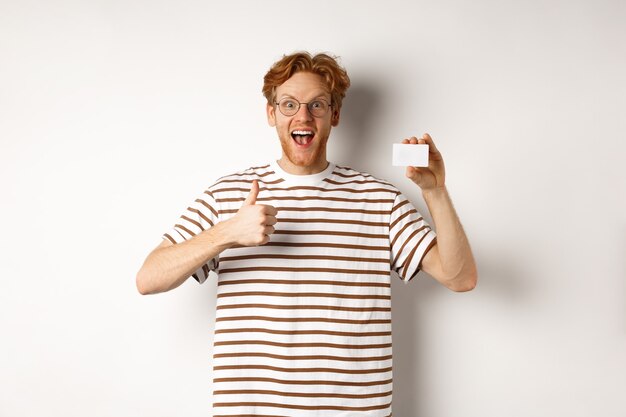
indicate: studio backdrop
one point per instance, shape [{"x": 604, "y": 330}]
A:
[{"x": 114, "y": 115}]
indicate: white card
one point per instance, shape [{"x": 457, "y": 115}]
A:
[{"x": 410, "y": 155}]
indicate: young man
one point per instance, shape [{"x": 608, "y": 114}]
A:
[{"x": 303, "y": 250}]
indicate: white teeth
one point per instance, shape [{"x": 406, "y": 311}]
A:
[{"x": 302, "y": 132}]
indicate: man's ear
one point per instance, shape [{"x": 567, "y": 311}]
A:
[
  {"x": 271, "y": 114},
  {"x": 334, "y": 119}
]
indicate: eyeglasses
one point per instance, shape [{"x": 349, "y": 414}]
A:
[{"x": 290, "y": 106}]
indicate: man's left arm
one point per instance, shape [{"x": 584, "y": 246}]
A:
[{"x": 450, "y": 260}]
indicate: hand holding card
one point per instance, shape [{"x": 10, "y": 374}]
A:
[{"x": 429, "y": 173}]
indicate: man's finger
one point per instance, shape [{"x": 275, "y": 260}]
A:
[
  {"x": 431, "y": 144},
  {"x": 414, "y": 173},
  {"x": 270, "y": 210},
  {"x": 254, "y": 192}
]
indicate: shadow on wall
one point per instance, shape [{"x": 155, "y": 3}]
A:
[
  {"x": 407, "y": 363},
  {"x": 501, "y": 283},
  {"x": 501, "y": 277},
  {"x": 359, "y": 112}
]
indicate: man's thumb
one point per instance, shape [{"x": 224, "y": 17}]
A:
[{"x": 254, "y": 192}]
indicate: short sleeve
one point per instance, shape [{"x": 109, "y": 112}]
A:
[
  {"x": 201, "y": 215},
  {"x": 410, "y": 238}
]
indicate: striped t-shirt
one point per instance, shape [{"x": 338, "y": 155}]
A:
[{"x": 303, "y": 323}]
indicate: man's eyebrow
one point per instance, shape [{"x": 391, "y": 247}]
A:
[{"x": 321, "y": 95}]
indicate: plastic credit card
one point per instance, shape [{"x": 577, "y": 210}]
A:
[{"x": 410, "y": 155}]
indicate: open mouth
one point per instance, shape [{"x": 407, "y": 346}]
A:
[{"x": 302, "y": 137}]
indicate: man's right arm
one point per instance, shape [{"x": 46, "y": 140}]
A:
[{"x": 169, "y": 265}]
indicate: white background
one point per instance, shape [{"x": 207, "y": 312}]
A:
[{"x": 114, "y": 115}]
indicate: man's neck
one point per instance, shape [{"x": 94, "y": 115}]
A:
[{"x": 292, "y": 169}]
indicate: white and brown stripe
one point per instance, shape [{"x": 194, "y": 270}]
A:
[{"x": 303, "y": 323}]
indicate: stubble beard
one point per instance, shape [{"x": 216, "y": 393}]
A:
[{"x": 304, "y": 159}]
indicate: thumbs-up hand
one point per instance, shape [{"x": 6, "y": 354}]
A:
[
  {"x": 253, "y": 223},
  {"x": 254, "y": 192}
]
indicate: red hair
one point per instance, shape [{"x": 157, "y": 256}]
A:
[{"x": 335, "y": 77}]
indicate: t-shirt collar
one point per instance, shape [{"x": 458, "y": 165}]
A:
[{"x": 311, "y": 179}]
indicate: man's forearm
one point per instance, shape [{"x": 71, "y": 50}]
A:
[
  {"x": 168, "y": 267},
  {"x": 457, "y": 261}
]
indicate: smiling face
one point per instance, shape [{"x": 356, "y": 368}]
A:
[{"x": 303, "y": 137}]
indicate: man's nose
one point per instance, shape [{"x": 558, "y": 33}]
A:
[{"x": 304, "y": 113}]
